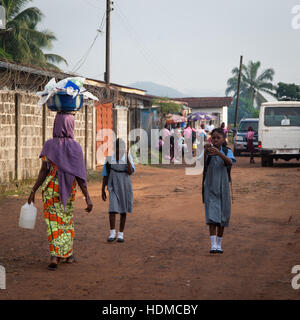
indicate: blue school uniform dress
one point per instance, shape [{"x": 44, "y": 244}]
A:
[
  {"x": 217, "y": 192},
  {"x": 119, "y": 184}
]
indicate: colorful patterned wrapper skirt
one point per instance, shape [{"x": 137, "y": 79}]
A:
[{"x": 60, "y": 227}]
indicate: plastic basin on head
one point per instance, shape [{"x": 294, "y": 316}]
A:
[{"x": 62, "y": 102}]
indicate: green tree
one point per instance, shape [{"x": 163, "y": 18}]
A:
[
  {"x": 246, "y": 109},
  {"x": 4, "y": 55},
  {"x": 288, "y": 91},
  {"x": 24, "y": 42},
  {"x": 167, "y": 106},
  {"x": 253, "y": 83},
  {"x": 255, "y": 113}
]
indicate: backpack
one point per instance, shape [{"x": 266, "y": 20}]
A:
[
  {"x": 109, "y": 168},
  {"x": 206, "y": 164}
]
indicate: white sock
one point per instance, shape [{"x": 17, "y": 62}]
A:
[
  {"x": 213, "y": 240},
  {"x": 219, "y": 243},
  {"x": 120, "y": 235},
  {"x": 112, "y": 233}
]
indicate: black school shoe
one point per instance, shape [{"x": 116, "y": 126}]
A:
[
  {"x": 110, "y": 239},
  {"x": 213, "y": 251},
  {"x": 120, "y": 240},
  {"x": 219, "y": 251}
]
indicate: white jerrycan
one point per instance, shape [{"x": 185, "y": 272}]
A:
[{"x": 28, "y": 216}]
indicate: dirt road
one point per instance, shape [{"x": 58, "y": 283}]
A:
[{"x": 166, "y": 249}]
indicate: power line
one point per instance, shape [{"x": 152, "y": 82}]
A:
[
  {"x": 83, "y": 59},
  {"x": 81, "y": 62},
  {"x": 144, "y": 50},
  {"x": 102, "y": 21},
  {"x": 142, "y": 46}
]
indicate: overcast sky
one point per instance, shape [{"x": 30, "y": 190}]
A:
[{"x": 190, "y": 45}]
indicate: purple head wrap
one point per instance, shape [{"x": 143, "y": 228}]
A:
[{"x": 66, "y": 153}]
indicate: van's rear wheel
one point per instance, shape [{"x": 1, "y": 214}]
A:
[
  {"x": 266, "y": 161},
  {"x": 270, "y": 162}
]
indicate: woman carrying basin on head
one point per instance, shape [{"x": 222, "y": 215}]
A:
[{"x": 62, "y": 166}]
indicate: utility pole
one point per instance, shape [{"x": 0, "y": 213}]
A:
[
  {"x": 107, "y": 68},
  {"x": 238, "y": 94}
]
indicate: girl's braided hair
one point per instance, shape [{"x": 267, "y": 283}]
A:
[{"x": 219, "y": 131}]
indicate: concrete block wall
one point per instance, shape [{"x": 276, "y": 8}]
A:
[
  {"x": 24, "y": 126},
  {"x": 31, "y": 136},
  {"x": 50, "y": 116},
  {"x": 7, "y": 136},
  {"x": 91, "y": 137}
]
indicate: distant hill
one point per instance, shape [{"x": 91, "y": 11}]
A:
[{"x": 157, "y": 89}]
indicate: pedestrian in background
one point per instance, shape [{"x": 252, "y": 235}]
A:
[
  {"x": 225, "y": 133},
  {"x": 188, "y": 132},
  {"x": 166, "y": 135},
  {"x": 250, "y": 146},
  {"x": 201, "y": 133},
  {"x": 209, "y": 127},
  {"x": 166, "y": 132}
]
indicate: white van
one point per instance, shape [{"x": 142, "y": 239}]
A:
[{"x": 279, "y": 131}]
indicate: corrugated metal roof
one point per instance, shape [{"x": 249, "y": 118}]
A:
[
  {"x": 23, "y": 68},
  {"x": 149, "y": 97},
  {"x": 60, "y": 75},
  {"x": 207, "y": 102}
]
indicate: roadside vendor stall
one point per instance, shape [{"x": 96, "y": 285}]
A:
[
  {"x": 175, "y": 118},
  {"x": 200, "y": 117}
]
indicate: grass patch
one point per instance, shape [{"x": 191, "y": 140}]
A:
[{"x": 16, "y": 188}]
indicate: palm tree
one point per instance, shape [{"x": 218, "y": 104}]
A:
[
  {"x": 4, "y": 55},
  {"x": 253, "y": 84},
  {"x": 24, "y": 43}
]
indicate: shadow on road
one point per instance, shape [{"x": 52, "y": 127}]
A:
[{"x": 287, "y": 165}]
